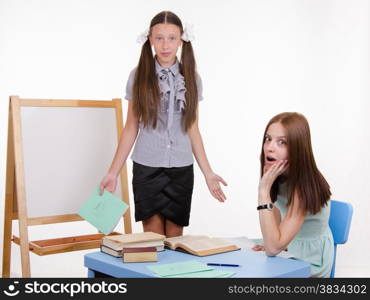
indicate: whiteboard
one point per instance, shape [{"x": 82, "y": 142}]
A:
[{"x": 67, "y": 151}]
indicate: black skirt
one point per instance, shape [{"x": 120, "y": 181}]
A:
[{"x": 164, "y": 191}]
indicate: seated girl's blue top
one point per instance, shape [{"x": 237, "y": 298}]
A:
[{"x": 314, "y": 242}]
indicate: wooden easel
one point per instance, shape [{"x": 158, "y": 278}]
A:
[{"x": 15, "y": 191}]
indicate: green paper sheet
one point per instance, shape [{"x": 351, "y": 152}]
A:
[
  {"x": 204, "y": 274},
  {"x": 186, "y": 267},
  {"x": 103, "y": 211}
]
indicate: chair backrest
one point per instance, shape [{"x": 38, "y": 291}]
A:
[
  {"x": 339, "y": 223},
  {"x": 340, "y": 220}
]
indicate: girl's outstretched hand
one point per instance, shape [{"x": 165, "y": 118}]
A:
[
  {"x": 109, "y": 183},
  {"x": 270, "y": 173},
  {"x": 213, "y": 183}
]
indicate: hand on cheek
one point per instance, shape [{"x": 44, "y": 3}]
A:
[{"x": 271, "y": 172}]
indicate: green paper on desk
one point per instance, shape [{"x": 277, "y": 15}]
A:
[
  {"x": 180, "y": 268},
  {"x": 103, "y": 211},
  {"x": 204, "y": 274}
]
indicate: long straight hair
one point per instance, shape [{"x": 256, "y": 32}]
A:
[
  {"x": 146, "y": 91},
  {"x": 303, "y": 177}
]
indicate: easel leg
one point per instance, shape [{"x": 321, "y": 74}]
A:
[
  {"x": 123, "y": 174},
  {"x": 25, "y": 254},
  {"x": 7, "y": 243},
  {"x": 20, "y": 185},
  {"x": 9, "y": 199}
]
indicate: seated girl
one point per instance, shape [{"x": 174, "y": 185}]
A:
[{"x": 293, "y": 196}]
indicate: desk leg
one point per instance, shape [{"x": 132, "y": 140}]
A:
[{"x": 90, "y": 273}]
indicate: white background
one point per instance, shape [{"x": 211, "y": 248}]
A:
[{"x": 256, "y": 59}]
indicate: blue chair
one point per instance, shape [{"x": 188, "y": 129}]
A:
[{"x": 339, "y": 223}]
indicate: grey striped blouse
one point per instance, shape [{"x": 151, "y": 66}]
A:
[{"x": 168, "y": 145}]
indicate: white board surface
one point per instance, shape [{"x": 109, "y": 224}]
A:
[{"x": 67, "y": 151}]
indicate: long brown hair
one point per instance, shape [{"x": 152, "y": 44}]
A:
[
  {"x": 303, "y": 177},
  {"x": 146, "y": 91}
]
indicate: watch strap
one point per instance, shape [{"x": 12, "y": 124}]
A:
[{"x": 268, "y": 206}]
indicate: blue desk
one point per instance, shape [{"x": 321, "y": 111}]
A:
[{"x": 253, "y": 264}]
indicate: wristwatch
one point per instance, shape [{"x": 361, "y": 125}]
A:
[{"x": 268, "y": 206}]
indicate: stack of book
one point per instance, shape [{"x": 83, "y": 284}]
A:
[{"x": 114, "y": 244}]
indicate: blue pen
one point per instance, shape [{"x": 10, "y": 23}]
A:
[{"x": 223, "y": 265}]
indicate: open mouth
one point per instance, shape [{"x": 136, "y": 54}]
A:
[{"x": 270, "y": 159}]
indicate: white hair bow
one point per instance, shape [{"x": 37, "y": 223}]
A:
[
  {"x": 188, "y": 35},
  {"x": 141, "y": 39}
]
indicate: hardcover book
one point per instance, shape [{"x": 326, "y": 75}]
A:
[
  {"x": 143, "y": 239},
  {"x": 139, "y": 254}
]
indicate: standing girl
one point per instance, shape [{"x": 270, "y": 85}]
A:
[
  {"x": 163, "y": 95},
  {"x": 293, "y": 198}
]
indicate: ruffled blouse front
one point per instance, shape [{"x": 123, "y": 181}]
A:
[
  {"x": 165, "y": 89},
  {"x": 172, "y": 90}
]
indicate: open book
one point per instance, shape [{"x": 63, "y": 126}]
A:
[{"x": 199, "y": 245}]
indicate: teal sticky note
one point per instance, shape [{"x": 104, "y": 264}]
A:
[
  {"x": 185, "y": 267},
  {"x": 103, "y": 211}
]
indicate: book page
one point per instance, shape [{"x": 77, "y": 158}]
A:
[
  {"x": 175, "y": 241},
  {"x": 205, "y": 244}
]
